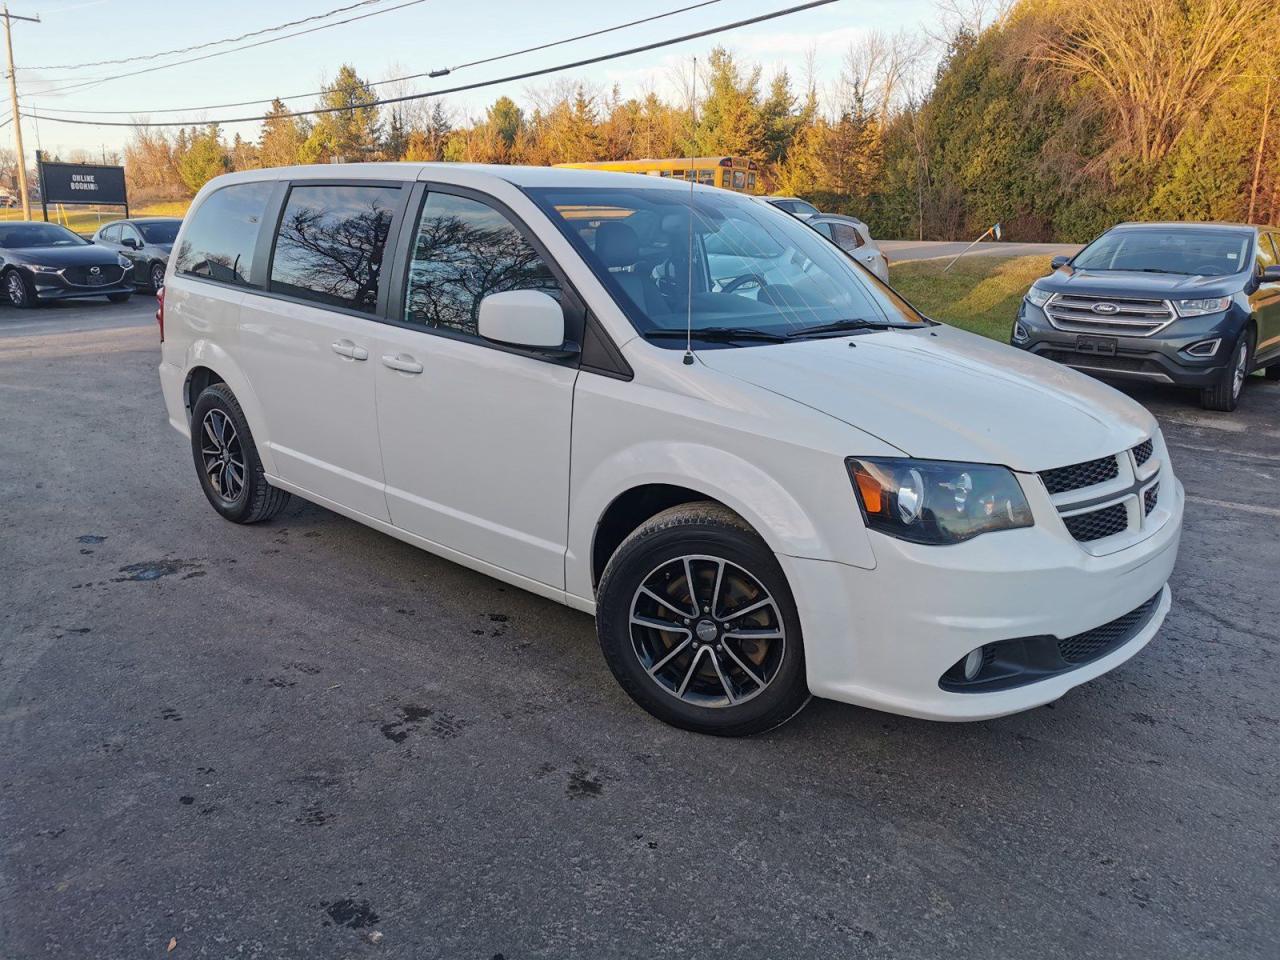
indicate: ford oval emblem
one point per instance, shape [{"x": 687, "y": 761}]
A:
[{"x": 1106, "y": 309}]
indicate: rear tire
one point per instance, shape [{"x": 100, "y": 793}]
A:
[
  {"x": 1224, "y": 395},
  {"x": 726, "y": 657},
  {"x": 227, "y": 461}
]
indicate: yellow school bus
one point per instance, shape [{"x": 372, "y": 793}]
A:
[{"x": 732, "y": 173}]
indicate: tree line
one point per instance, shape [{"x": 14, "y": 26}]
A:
[{"x": 1055, "y": 117}]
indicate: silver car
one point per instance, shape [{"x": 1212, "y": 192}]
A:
[{"x": 853, "y": 237}]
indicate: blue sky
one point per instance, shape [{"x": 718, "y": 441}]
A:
[{"x": 424, "y": 36}]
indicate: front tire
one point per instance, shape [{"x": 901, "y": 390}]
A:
[
  {"x": 698, "y": 625},
  {"x": 119, "y": 297},
  {"x": 227, "y": 461},
  {"x": 157, "y": 276},
  {"x": 19, "y": 291},
  {"x": 1224, "y": 395}
]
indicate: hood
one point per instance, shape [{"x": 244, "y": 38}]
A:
[
  {"x": 1130, "y": 283},
  {"x": 85, "y": 256},
  {"x": 939, "y": 393}
]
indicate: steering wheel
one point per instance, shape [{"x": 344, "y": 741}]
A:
[{"x": 743, "y": 280}]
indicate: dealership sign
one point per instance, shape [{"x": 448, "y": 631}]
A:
[{"x": 82, "y": 183}]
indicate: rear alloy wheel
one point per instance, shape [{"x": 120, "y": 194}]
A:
[
  {"x": 18, "y": 289},
  {"x": 698, "y": 625},
  {"x": 227, "y": 463},
  {"x": 1225, "y": 394}
]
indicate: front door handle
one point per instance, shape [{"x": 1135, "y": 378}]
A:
[
  {"x": 345, "y": 348},
  {"x": 402, "y": 362}
]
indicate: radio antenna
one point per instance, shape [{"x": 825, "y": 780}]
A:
[{"x": 692, "y": 174}]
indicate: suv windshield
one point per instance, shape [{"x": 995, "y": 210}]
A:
[
  {"x": 21, "y": 236},
  {"x": 757, "y": 275},
  {"x": 160, "y": 231},
  {"x": 1212, "y": 253}
]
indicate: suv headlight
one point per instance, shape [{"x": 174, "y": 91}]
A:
[
  {"x": 936, "y": 502},
  {"x": 124, "y": 261},
  {"x": 1038, "y": 296},
  {"x": 1198, "y": 308}
]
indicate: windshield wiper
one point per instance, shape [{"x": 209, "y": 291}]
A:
[
  {"x": 842, "y": 326},
  {"x": 717, "y": 334}
]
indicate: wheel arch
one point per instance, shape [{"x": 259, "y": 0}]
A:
[{"x": 208, "y": 363}]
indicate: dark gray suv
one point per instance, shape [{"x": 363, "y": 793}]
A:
[{"x": 1193, "y": 304}]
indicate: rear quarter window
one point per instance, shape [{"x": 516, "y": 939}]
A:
[{"x": 218, "y": 243}]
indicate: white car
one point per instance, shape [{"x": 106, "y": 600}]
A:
[
  {"x": 853, "y": 237},
  {"x": 683, "y": 412}
]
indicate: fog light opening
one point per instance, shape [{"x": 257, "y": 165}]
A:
[
  {"x": 1020, "y": 334},
  {"x": 973, "y": 663},
  {"x": 1205, "y": 348}
]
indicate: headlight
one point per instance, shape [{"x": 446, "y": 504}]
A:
[
  {"x": 42, "y": 268},
  {"x": 1198, "y": 308},
  {"x": 933, "y": 501},
  {"x": 1038, "y": 296},
  {"x": 124, "y": 261}
]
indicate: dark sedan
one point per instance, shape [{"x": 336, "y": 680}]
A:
[
  {"x": 40, "y": 262},
  {"x": 1193, "y": 304},
  {"x": 147, "y": 241}
]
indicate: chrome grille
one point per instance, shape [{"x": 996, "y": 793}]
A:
[
  {"x": 1063, "y": 479},
  {"x": 85, "y": 277},
  {"x": 1092, "y": 644},
  {"x": 1112, "y": 316},
  {"x": 1142, "y": 452},
  {"x": 1098, "y": 524}
]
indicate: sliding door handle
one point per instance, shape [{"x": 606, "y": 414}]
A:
[
  {"x": 402, "y": 362},
  {"x": 345, "y": 348}
]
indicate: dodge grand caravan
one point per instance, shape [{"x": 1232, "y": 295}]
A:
[{"x": 677, "y": 409}]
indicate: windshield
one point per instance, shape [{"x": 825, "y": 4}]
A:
[
  {"x": 161, "y": 231},
  {"x": 756, "y": 273},
  {"x": 1206, "y": 253},
  {"x": 23, "y": 235}
]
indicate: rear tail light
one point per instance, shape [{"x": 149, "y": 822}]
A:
[{"x": 160, "y": 311}]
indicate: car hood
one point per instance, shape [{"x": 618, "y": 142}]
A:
[
  {"x": 85, "y": 256},
  {"x": 1129, "y": 283},
  {"x": 942, "y": 394}
]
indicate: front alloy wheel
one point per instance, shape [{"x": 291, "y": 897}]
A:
[{"x": 18, "y": 290}]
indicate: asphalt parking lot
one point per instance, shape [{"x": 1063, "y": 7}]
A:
[{"x": 306, "y": 739}]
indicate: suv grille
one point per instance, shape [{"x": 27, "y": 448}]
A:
[
  {"x": 1114, "y": 316},
  {"x": 1142, "y": 452},
  {"x": 1062, "y": 479},
  {"x": 1150, "y": 498},
  {"x": 84, "y": 276},
  {"x": 1101, "y": 523},
  {"x": 1094, "y": 643}
]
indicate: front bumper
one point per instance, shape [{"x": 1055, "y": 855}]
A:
[
  {"x": 1159, "y": 358},
  {"x": 56, "y": 286},
  {"x": 884, "y": 638}
]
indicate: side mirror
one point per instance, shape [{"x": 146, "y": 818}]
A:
[
  {"x": 1270, "y": 275},
  {"x": 1058, "y": 261},
  {"x": 129, "y": 242},
  {"x": 522, "y": 318}
]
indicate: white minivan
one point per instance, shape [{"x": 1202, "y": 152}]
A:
[{"x": 681, "y": 410}]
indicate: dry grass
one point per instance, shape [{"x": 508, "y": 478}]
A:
[{"x": 980, "y": 293}]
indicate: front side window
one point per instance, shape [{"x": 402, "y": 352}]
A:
[
  {"x": 330, "y": 244},
  {"x": 1266, "y": 252},
  {"x": 1190, "y": 251},
  {"x": 219, "y": 241},
  {"x": 754, "y": 268},
  {"x": 465, "y": 250},
  {"x": 111, "y": 234},
  {"x": 160, "y": 231},
  {"x": 127, "y": 232}
]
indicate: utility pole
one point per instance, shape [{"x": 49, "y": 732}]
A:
[
  {"x": 17, "y": 118},
  {"x": 1262, "y": 143}
]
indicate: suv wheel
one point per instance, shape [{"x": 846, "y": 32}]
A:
[
  {"x": 1225, "y": 394},
  {"x": 698, "y": 624},
  {"x": 227, "y": 460}
]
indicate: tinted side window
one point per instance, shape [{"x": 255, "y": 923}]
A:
[
  {"x": 218, "y": 242},
  {"x": 846, "y": 237},
  {"x": 824, "y": 229},
  {"x": 465, "y": 250},
  {"x": 127, "y": 231},
  {"x": 330, "y": 243},
  {"x": 111, "y": 234},
  {"x": 1266, "y": 253}
]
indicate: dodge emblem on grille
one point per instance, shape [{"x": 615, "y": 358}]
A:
[{"x": 1107, "y": 309}]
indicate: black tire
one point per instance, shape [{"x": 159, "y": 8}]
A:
[
  {"x": 156, "y": 276},
  {"x": 119, "y": 297},
  {"x": 1224, "y": 395},
  {"x": 1273, "y": 372},
  {"x": 252, "y": 498},
  {"x": 703, "y": 530},
  {"x": 19, "y": 291}
]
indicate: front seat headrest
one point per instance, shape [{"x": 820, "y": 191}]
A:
[{"x": 617, "y": 245}]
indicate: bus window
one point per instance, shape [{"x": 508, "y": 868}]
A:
[
  {"x": 707, "y": 176},
  {"x": 751, "y": 181},
  {"x": 739, "y": 179}
]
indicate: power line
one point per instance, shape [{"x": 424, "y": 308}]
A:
[
  {"x": 459, "y": 89},
  {"x": 93, "y": 81},
  {"x": 210, "y": 43},
  {"x": 378, "y": 83}
]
